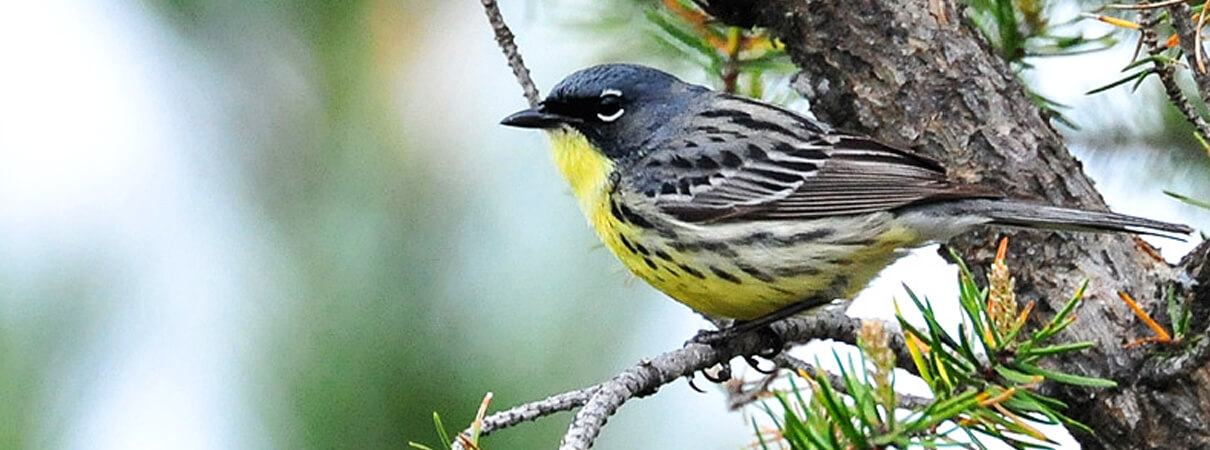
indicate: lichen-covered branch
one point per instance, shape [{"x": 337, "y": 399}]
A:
[
  {"x": 599, "y": 402},
  {"x": 528, "y": 412}
]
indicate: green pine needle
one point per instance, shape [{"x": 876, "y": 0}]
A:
[{"x": 1188, "y": 200}]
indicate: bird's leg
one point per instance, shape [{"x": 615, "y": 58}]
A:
[
  {"x": 759, "y": 325},
  {"x": 715, "y": 337}
]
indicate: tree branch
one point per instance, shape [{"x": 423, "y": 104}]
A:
[
  {"x": 528, "y": 412},
  {"x": 1167, "y": 72},
  {"x": 600, "y": 401},
  {"x": 506, "y": 41},
  {"x": 1185, "y": 28}
]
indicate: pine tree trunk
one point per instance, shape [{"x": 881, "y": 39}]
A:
[{"x": 916, "y": 73}]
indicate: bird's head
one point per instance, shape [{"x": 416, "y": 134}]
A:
[{"x": 615, "y": 106}]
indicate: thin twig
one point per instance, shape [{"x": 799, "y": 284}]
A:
[
  {"x": 529, "y": 411},
  {"x": 602, "y": 400},
  {"x": 505, "y": 39},
  {"x": 1191, "y": 44},
  {"x": 1145, "y": 6},
  {"x": 1167, "y": 72},
  {"x": 1197, "y": 38}
]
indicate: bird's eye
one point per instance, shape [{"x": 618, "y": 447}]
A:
[{"x": 609, "y": 107}]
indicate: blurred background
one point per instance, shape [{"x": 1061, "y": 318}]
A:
[{"x": 296, "y": 223}]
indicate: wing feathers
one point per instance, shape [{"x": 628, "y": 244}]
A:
[{"x": 789, "y": 167}]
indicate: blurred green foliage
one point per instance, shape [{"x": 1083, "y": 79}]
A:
[
  {"x": 367, "y": 343},
  {"x": 40, "y": 351}
]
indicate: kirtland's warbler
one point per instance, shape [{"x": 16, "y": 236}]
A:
[{"x": 740, "y": 209}]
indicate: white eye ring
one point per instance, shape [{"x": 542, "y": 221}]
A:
[
  {"x": 611, "y": 117},
  {"x": 618, "y": 113}
]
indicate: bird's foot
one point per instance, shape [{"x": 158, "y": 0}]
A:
[
  {"x": 774, "y": 344},
  {"x": 712, "y": 337},
  {"x": 719, "y": 373}
]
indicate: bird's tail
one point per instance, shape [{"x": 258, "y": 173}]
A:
[{"x": 1028, "y": 215}]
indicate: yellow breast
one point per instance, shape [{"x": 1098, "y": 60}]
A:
[
  {"x": 684, "y": 277},
  {"x": 588, "y": 172},
  {"x": 744, "y": 281}
]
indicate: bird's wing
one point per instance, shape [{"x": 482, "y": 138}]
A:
[{"x": 787, "y": 167}]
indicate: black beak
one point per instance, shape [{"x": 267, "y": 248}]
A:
[{"x": 534, "y": 118}]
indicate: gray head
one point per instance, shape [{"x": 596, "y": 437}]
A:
[{"x": 615, "y": 106}]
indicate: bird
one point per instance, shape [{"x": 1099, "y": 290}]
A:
[{"x": 747, "y": 211}]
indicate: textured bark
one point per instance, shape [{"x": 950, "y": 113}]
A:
[{"x": 917, "y": 74}]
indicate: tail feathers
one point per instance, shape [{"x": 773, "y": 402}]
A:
[{"x": 1027, "y": 215}]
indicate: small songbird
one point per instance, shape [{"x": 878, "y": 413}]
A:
[{"x": 740, "y": 209}]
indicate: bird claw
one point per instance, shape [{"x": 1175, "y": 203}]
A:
[
  {"x": 714, "y": 338},
  {"x": 694, "y": 386},
  {"x": 752, "y": 362},
  {"x": 723, "y": 375}
]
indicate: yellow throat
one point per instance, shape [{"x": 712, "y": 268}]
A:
[
  {"x": 586, "y": 169},
  {"x": 588, "y": 172}
]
